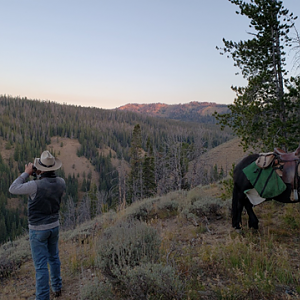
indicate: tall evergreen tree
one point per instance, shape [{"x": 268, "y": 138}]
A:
[
  {"x": 263, "y": 114},
  {"x": 135, "y": 176},
  {"x": 149, "y": 184}
]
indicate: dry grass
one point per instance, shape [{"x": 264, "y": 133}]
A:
[
  {"x": 224, "y": 156},
  {"x": 214, "y": 261},
  {"x": 66, "y": 150}
]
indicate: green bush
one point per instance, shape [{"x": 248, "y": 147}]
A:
[
  {"x": 204, "y": 208},
  {"x": 97, "y": 290},
  {"x": 126, "y": 244},
  {"x": 13, "y": 255},
  {"x": 153, "y": 281},
  {"x": 167, "y": 209},
  {"x": 142, "y": 210},
  {"x": 158, "y": 207}
]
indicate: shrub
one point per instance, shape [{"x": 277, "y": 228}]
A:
[
  {"x": 126, "y": 244},
  {"x": 13, "y": 255},
  {"x": 150, "y": 208},
  {"x": 142, "y": 210},
  {"x": 203, "y": 208},
  {"x": 88, "y": 228},
  {"x": 192, "y": 218},
  {"x": 127, "y": 256},
  {"x": 153, "y": 281},
  {"x": 167, "y": 209},
  {"x": 97, "y": 290}
]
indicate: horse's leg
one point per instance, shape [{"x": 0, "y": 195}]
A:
[
  {"x": 237, "y": 207},
  {"x": 253, "y": 221},
  {"x": 239, "y": 199}
]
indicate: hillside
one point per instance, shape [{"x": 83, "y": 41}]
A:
[
  {"x": 95, "y": 146},
  {"x": 200, "y": 112},
  {"x": 74, "y": 253},
  {"x": 225, "y": 155},
  {"x": 198, "y": 255},
  {"x": 212, "y": 260},
  {"x": 78, "y": 247}
]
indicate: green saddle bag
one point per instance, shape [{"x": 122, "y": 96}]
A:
[{"x": 267, "y": 182}]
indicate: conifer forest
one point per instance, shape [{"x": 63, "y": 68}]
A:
[{"x": 155, "y": 156}]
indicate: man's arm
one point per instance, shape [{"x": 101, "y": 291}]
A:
[{"x": 20, "y": 186}]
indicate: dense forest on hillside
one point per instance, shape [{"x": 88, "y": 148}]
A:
[{"x": 156, "y": 150}]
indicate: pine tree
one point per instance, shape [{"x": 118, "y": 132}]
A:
[
  {"x": 149, "y": 184},
  {"x": 135, "y": 176},
  {"x": 263, "y": 114}
]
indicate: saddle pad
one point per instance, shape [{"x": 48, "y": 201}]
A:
[
  {"x": 267, "y": 183},
  {"x": 253, "y": 196}
]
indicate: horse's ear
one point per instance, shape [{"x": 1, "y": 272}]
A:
[{"x": 297, "y": 152}]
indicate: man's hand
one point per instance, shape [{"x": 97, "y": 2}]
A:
[{"x": 28, "y": 168}]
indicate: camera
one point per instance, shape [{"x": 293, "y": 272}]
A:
[{"x": 34, "y": 171}]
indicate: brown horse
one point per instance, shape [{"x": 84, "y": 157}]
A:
[{"x": 289, "y": 164}]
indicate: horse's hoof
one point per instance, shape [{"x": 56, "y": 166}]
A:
[{"x": 238, "y": 230}]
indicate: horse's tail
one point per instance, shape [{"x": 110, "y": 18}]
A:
[{"x": 241, "y": 183}]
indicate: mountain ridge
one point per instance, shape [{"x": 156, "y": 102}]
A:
[{"x": 193, "y": 111}]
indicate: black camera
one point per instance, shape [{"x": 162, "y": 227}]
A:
[{"x": 34, "y": 171}]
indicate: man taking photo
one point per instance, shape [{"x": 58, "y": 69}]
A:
[{"x": 44, "y": 200}]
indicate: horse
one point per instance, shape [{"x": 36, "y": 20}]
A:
[{"x": 287, "y": 162}]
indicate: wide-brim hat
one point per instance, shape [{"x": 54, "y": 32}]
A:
[{"x": 47, "y": 162}]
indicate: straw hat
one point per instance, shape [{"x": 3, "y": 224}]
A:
[{"x": 47, "y": 162}]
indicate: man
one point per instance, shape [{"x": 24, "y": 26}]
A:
[{"x": 45, "y": 195}]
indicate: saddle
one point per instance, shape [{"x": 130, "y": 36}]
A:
[
  {"x": 290, "y": 166},
  {"x": 286, "y": 165}
]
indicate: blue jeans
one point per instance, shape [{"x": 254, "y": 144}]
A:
[{"x": 44, "y": 250}]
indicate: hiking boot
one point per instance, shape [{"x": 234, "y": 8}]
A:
[{"x": 57, "y": 294}]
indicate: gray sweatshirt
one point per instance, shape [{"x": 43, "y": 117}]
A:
[{"x": 21, "y": 187}]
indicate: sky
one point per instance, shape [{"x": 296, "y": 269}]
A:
[{"x": 108, "y": 53}]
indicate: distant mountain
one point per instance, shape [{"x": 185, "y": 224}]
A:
[{"x": 200, "y": 112}]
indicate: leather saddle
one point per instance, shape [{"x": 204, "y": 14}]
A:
[{"x": 287, "y": 164}]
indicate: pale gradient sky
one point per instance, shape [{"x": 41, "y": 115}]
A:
[{"x": 107, "y": 53}]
